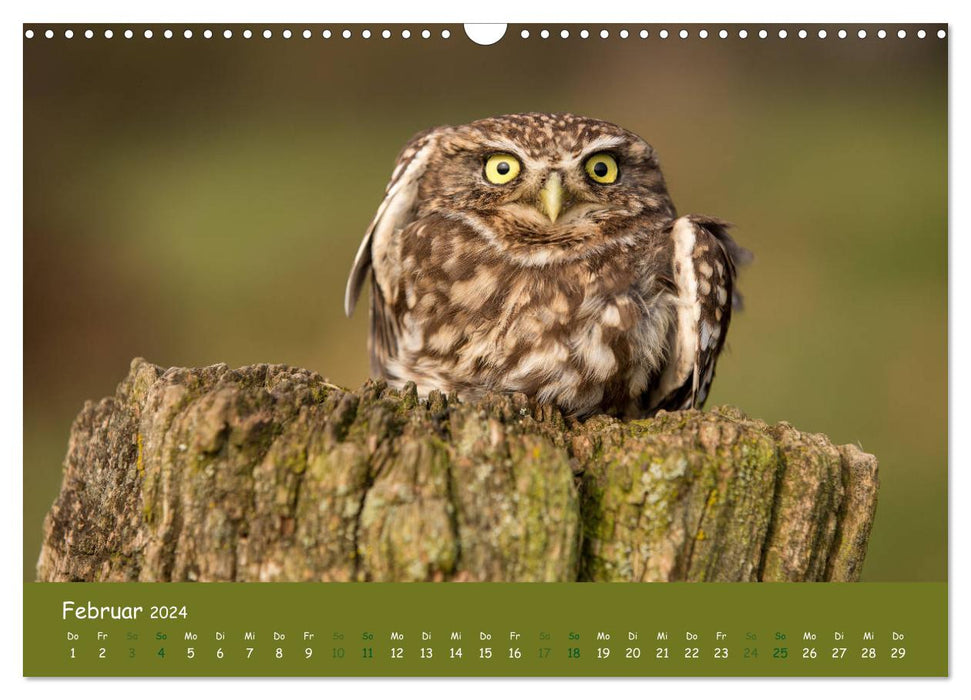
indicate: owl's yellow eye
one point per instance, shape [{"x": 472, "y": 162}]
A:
[
  {"x": 602, "y": 168},
  {"x": 501, "y": 168}
]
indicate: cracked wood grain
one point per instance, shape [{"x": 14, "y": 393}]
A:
[{"x": 270, "y": 473}]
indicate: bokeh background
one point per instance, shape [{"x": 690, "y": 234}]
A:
[{"x": 196, "y": 201}]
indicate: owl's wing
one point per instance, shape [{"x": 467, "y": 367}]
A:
[
  {"x": 704, "y": 259},
  {"x": 394, "y": 213}
]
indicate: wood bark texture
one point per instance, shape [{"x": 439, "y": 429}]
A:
[{"x": 270, "y": 473}]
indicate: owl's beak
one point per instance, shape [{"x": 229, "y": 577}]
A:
[{"x": 551, "y": 197}]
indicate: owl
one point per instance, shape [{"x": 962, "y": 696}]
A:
[{"x": 541, "y": 253}]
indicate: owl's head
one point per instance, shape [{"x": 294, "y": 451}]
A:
[
  {"x": 539, "y": 180},
  {"x": 540, "y": 187}
]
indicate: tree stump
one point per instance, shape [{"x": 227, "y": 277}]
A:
[{"x": 270, "y": 473}]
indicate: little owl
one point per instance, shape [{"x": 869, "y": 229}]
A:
[{"x": 541, "y": 253}]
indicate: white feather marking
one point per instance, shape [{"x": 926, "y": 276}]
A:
[
  {"x": 598, "y": 360},
  {"x": 411, "y": 297},
  {"x": 722, "y": 295},
  {"x": 475, "y": 291},
  {"x": 683, "y": 341},
  {"x": 538, "y": 256},
  {"x": 562, "y": 389},
  {"x": 611, "y": 315},
  {"x": 541, "y": 364},
  {"x": 601, "y": 143},
  {"x": 443, "y": 339},
  {"x": 391, "y": 217}
]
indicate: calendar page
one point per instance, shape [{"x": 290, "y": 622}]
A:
[{"x": 535, "y": 350}]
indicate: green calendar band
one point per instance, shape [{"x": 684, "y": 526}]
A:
[{"x": 485, "y": 629}]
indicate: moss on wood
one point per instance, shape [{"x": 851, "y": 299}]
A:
[{"x": 270, "y": 473}]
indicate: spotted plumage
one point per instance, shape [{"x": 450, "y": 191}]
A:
[{"x": 541, "y": 253}]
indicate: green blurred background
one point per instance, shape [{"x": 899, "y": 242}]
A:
[{"x": 200, "y": 201}]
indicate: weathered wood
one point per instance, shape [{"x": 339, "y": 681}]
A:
[{"x": 269, "y": 473}]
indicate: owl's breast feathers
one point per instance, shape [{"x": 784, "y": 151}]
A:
[{"x": 605, "y": 332}]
